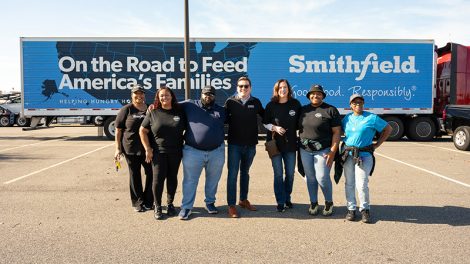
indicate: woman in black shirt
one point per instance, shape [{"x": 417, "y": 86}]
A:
[
  {"x": 281, "y": 117},
  {"x": 167, "y": 123},
  {"x": 128, "y": 142}
]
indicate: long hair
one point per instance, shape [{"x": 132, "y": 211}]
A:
[
  {"x": 158, "y": 105},
  {"x": 275, "y": 97}
]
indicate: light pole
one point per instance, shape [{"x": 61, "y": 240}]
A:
[{"x": 187, "y": 92}]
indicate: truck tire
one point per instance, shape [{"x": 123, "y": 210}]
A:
[
  {"x": 461, "y": 138},
  {"x": 398, "y": 128},
  {"x": 97, "y": 120},
  {"x": 109, "y": 129},
  {"x": 421, "y": 129},
  {"x": 22, "y": 121},
  {"x": 5, "y": 121}
]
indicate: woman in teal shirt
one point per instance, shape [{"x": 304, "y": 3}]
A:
[{"x": 359, "y": 129}]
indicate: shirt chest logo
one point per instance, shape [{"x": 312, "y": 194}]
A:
[
  {"x": 138, "y": 116},
  {"x": 318, "y": 115},
  {"x": 176, "y": 118},
  {"x": 250, "y": 106},
  {"x": 292, "y": 113}
]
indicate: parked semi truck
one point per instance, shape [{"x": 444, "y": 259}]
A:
[{"x": 407, "y": 82}]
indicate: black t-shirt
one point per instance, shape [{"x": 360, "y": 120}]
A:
[
  {"x": 129, "y": 120},
  {"x": 242, "y": 120},
  {"x": 316, "y": 122},
  {"x": 167, "y": 127},
  {"x": 285, "y": 115}
]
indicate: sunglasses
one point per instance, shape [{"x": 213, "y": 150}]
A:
[{"x": 244, "y": 86}]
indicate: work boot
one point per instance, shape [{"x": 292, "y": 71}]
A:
[
  {"x": 351, "y": 215},
  {"x": 365, "y": 216}
]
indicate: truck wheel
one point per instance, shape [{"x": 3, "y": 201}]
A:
[
  {"x": 461, "y": 138},
  {"x": 22, "y": 121},
  {"x": 109, "y": 129},
  {"x": 398, "y": 129},
  {"x": 97, "y": 120},
  {"x": 421, "y": 129},
  {"x": 5, "y": 121}
]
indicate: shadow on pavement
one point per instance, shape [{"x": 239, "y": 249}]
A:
[{"x": 448, "y": 215}]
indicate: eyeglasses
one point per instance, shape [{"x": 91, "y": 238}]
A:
[
  {"x": 244, "y": 86},
  {"x": 357, "y": 103},
  {"x": 209, "y": 94}
]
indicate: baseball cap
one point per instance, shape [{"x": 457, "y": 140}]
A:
[
  {"x": 354, "y": 96},
  {"x": 208, "y": 89},
  {"x": 137, "y": 88}
]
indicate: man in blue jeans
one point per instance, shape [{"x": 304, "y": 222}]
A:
[
  {"x": 242, "y": 118},
  {"x": 204, "y": 148}
]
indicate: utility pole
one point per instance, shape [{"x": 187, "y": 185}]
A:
[{"x": 187, "y": 92}]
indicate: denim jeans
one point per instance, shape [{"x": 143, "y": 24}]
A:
[
  {"x": 239, "y": 158},
  {"x": 283, "y": 185},
  {"x": 317, "y": 173},
  {"x": 357, "y": 178},
  {"x": 194, "y": 161}
]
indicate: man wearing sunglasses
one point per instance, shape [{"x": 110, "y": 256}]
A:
[
  {"x": 204, "y": 149},
  {"x": 242, "y": 117}
]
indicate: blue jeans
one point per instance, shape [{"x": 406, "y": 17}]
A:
[
  {"x": 194, "y": 161},
  {"x": 239, "y": 158},
  {"x": 357, "y": 178},
  {"x": 283, "y": 185},
  {"x": 317, "y": 173}
]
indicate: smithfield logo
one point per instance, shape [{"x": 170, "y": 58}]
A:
[
  {"x": 292, "y": 112},
  {"x": 176, "y": 118},
  {"x": 346, "y": 64}
]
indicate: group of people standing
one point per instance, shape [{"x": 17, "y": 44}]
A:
[{"x": 158, "y": 137}]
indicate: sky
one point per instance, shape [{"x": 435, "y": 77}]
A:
[{"x": 441, "y": 21}]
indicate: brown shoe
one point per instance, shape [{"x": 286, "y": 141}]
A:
[
  {"x": 232, "y": 212},
  {"x": 246, "y": 204}
]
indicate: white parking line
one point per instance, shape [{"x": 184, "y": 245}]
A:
[
  {"x": 425, "y": 170},
  {"x": 32, "y": 144},
  {"x": 57, "y": 164},
  {"x": 454, "y": 150}
]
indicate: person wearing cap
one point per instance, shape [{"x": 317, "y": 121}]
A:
[
  {"x": 128, "y": 143},
  {"x": 359, "y": 128},
  {"x": 204, "y": 149},
  {"x": 166, "y": 122},
  {"x": 320, "y": 134},
  {"x": 243, "y": 111},
  {"x": 282, "y": 117}
]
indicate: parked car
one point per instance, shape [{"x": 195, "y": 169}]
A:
[
  {"x": 456, "y": 119},
  {"x": 10, "y": 111}
]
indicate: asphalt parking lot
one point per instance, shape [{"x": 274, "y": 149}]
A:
[{"x": 62, "y": 201}]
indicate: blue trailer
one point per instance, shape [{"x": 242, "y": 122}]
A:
[{"x": 92, "y": 76}]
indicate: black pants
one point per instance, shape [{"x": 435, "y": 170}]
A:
[
  {"x": 165, "y": 167},
  {"x": 139, "y": 195}
]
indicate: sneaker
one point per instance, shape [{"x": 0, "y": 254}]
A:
[
  {"x": 158, "y": 213},
  {"x": 232, "y": 212},
  {"x": 313, "y": 210},
  {"x": 247, "y": 205},
  {"x": 351, "y": 215},
  {"x": 184, "y": 214},
  {"x": 365, "y": 216},
  {"x": 280, "y": 208},
  {"x": 170, "y": 210},
  {"x": 211, "y": 209},
  {"x": 139, "y": 209},
  {"x": 289, "y": 205},
  {"x": 328, "y": 209}
]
